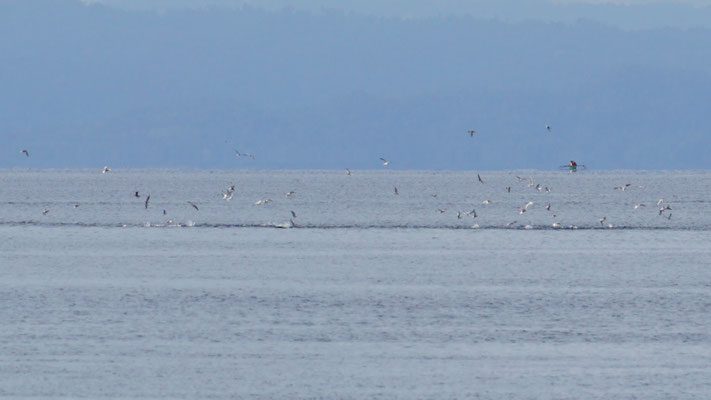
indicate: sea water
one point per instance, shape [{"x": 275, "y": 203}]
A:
[{"x": 367, "y": 294}]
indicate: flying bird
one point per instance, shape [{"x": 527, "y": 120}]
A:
[
  {"x": 471, "y": 132},
  {"x": 479, "y": 177},
  {"x": 385, "y": 162},
  {"x": 624, "y": 187},
  {"x": 194, "y": 206},
  {"x": 27, "y": 153},
  {"x": 106, "y": 169},
  {"x": 348, "y": 171},
  {"x": 636, "y": 206},
  {"x": 293, "y": 214},
  {"x": 137, "y": 195},
  {"x": 46, "y": 211},
  {"x": 396, "y": 191},
  {"x": 548, "y": 127},
  {"x": 238, "y": 154},
  {"x": 288, "y": 194},
  {"x": 602, "y": 220},
  {"x": 147, "y": 200}
]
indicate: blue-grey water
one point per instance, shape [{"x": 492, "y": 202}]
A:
[{"x": 368, "y": 294}]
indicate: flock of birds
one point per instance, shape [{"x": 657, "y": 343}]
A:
[{"x": 228, "y": 194}]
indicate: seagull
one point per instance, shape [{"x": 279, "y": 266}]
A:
[
  {"x": 511, "y": 223},
  {"x": 147, "y": 200},
  {"x": 623, "y": 188},
  {"x": 660, "y": 201},
  {"x": 288, "y": 194},
  {"x": 471, "y": 132},
  {"x": 508, "y": 189},
  {"x": 194, "y": 206},
  {"x": 164, "y": 212},
  {"x": 538, "y": 187},
  {"x": 472, "y": 213},
  {"x": 556, "y": 225},
  {"x": 106, "y": 169},
  {"x": 459, "y": 215},
  {"x": 442, "y": 210},
  {"x": 227, "y": 195},
  {"x": 662, "y": 209},
  {"x": 602, "y": 220},
  {"x": 385, "y": 162},
  {"x": 293, "y": 214},
  {"x": 548, "y": 127},
  {"x": 434, "y": 195},
  {"x": 137, "y": 195},
  {"x": 395, "y": 189},
  {"x": 636, "y": 206},
  {"x": 525, "y": 207},
  {"x": 348, "y": 171},
  {"x": 669, "y": 216},
  {"x": 486, "y": 202},
  {"x": 46, "y": 211},
  {"x": 530, "y": 181},
  {"x": 76, "y": 205},
  {"x": 262, "y": 201},
  {"x": 548, "y": 190},
  {"x": 479, "y": 177},
  {"x": 519, "y": 178},
  {"x": 244, "y": 154},
  {"x": 548, "y": 207},
  {"x": 27, "y": 153}
]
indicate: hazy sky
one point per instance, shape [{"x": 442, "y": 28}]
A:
[{"x": 82, "y": 86}]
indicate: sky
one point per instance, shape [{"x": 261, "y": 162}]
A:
[{"x": 306, "y": 87}]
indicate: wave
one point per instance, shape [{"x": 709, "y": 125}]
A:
[{"x": 189, "y": 224}]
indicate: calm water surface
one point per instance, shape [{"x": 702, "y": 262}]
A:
[{"x": 368, "y": 295}]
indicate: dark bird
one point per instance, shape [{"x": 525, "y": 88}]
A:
[
  {"x": 45, "y": 212},
  {"x": 194, "y": 206},
  {"x": 508, "y": 189},
  {"x": 548, "y": 127},
  {"x": 471, "y": 132},
  {"x": 137, "y": 195},
  {"x": 348, "y": 171},
  {"x": 147, "y": 200},
  {"x": 396, "y": 191},
  {"x": 27, "y": 153},
  {"x": 293, "y": 214},
  {"x": 164, "y": 212},
  {"x": 479, "y": 177}
]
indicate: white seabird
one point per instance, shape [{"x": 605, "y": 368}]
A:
[
  {"x": 385, "y": 162},
  {"x": 106, "y": 169},
  {"x": 238, "y": 154}
]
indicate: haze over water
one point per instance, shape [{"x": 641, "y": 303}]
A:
[{"x": 368, "y": 295}]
